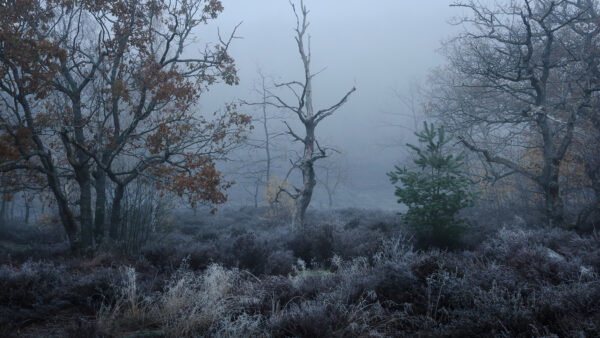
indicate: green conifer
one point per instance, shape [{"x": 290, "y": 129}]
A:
[{"x": 436, "y": 191}]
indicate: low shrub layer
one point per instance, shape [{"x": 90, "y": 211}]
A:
[{"x": 348, "y": 275}]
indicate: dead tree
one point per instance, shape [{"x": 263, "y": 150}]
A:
[{"x": 303, "y": 108}]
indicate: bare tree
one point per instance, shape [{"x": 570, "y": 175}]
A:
[
  {"x": 304, "y": 110},
  {"x": 518, "y": 79}
]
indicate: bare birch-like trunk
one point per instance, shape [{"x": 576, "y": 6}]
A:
[{"x": 304, "y": 109}]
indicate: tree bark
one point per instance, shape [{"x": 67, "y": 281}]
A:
[
  {"x": 593, "y": 173},
  {"x": 65, "y": 214},
  {"x": 303, "y": 201},
  {"x": 27, "y": 209},
  {"x": 83, "y": 178},
  {"x": 100, "y": 212},
  {"x": 115, "y": 217},
  {"x": 3, "y": 211},
  {"x": 267, "y": 136},
  {"x": 553, "y": 203}
]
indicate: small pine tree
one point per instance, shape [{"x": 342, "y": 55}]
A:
[{"x": 435, "y": 193}]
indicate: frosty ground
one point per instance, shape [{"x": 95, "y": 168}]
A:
[{"x": 348, "y": 273}]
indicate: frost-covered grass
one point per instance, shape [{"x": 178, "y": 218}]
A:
[{"x": 351, "y": 274}]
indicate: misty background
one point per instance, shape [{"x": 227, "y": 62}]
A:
[{"x": 384, "y": 48}]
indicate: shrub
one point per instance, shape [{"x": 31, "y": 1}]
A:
[
  {"x": 313, "y": 243},
  {"x": 279, "y": 262},
  {"x": 36, "y": 293}
]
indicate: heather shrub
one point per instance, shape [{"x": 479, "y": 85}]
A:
[
  {"x": 330, "y": 280},
  {"x": 160, "y": 255},
  {"x": 279, "y": 262},
  {"x": 35, "y": 292},
  {"x": 319, "y": 318},
  {"x": 247, "y": 252},
  {"x": 394, "y": 283},
  {"x": 313, "y": 243},
  {"x": 210, "y": 303}
]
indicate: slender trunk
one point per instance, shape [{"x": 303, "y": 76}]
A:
[
  {"x": 3, "y": 211},
  {"x": 256, "y": 186},
  {"x": 85, "y": 206},
  {"x": 593, "y": 173},
  {"x": 12, "y": 209},
  {"x": 27, "y": 208},
  {"x": 100, "y": 212},
  {"x": 125, "y": 222},
  {"x": 115, "y": 217},
  {"x": 549, "y": 178},
  {"x": 267, "y": 137},
  {"x": 554, "y": 204},
  {"x": 585, "y": 214}
]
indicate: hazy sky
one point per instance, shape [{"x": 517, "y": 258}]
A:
[{"x": 378, "y": 46}]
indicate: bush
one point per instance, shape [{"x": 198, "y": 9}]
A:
[
  {"x": 280, "y": 262},
  {"x": 314, "y": 243},
  {"x": 38, "y": 292}
]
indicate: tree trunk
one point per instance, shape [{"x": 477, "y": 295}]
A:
[
  {"x": 3, "y": 211},
  {"x": 100, "y": 212},
  {"x": 12, "y": 209},
  {"x": 267, "y": 136},
  {"x": 67, "y": 218},
  {"x": 115, "y": 217},
  {"x": 27, "y": 208},
  {"x": 256, "y": 187},
  {"x": 302, "y": 202},
  {"x": 593, "y": 173},
  {"x": 83, "y": 177},
  {"x": 85, "y": 206},
  {"x": 554, "y": 204},
  {"x": 308, "y": 176}
]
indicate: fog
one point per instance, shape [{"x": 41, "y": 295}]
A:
[
  {"x": 382, "y": 48},
  {"x": 137, "y": 200}
]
